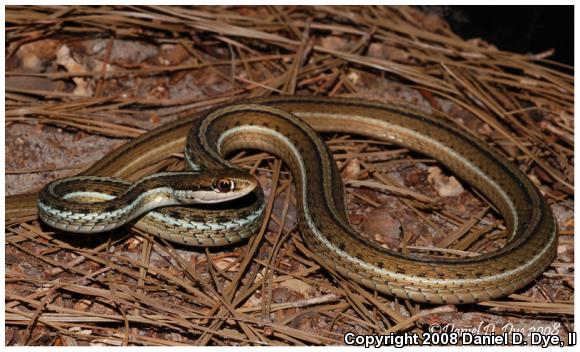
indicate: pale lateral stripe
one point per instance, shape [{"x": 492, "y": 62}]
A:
[
  {"x": 321, "y": 237},
  {"x": 163, "y": 193},
  {"x": 208, "y": 225},
  {"x": 86, "y": 194},
  {"x": 401, "y": 131}
]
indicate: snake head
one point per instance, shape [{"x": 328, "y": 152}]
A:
[{"x": 216, "y": 186}]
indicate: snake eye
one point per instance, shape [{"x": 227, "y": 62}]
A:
[{"x": 224, "y": 185}]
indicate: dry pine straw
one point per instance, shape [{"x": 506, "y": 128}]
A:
[{"x": 129, "y": 288}]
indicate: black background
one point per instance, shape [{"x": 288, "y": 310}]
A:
[{"x": 521, "y": 29}]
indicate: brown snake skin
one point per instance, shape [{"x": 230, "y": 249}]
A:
[{"x": 269, "y": 124}]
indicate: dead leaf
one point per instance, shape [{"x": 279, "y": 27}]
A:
[
  {"x": 445, "y": 186},
  {"x": 351, "y": 170},
  {"x": 299, "y": 286},
  {"x": 383, "y": 228},
  {"x": 64, "y": 59}
]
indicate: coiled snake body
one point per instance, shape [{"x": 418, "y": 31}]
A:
[{"x": 285, "y": 126}]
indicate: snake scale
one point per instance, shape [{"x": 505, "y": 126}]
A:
[{"x": 287, "y": 127}]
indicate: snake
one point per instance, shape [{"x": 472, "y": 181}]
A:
[
  {"x": 89, "y": 204},
  {"x": 289, "y": 127}
]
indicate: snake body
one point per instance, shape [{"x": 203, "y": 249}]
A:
[
  {"x": 286, "y": 127},
  {"x": 89, "y": 204}
]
